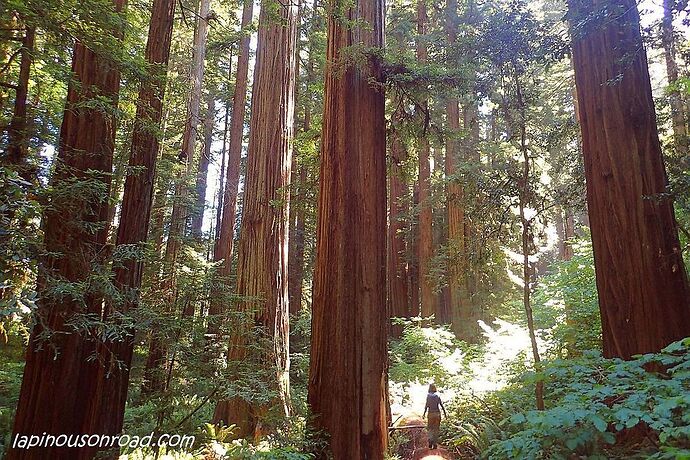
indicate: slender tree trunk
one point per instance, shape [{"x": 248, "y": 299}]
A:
[
  {"x": 644, "y": 296},
  {"x": 524, "y": 198},
  {"x": 262, "y": 257},
  {"x": 347, "y": 382},
  {"x": 18, "y": 135},
  {"x": 202, "y": 173},
  {"x": 297, "y": 240},
  {"x": 221, "y": 173},
  {"x": 397, "y": 210},
  {"x": 61, "y": 388},
  {"x": 678, "y": 115},
  {"x": 413, "y": 255},
  {"x": 223, "y": 248},
  {"x": 426, "y": 243},
  {"x": 154, "y": 372}
]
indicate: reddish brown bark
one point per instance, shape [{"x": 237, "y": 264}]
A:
[
  {"x": 61, "y": 389},
  {"x": 224, "y": 249},
  {"x": 643, "y": 288},
  {"x": 426, "y": 243},
  {"x": 18, "y": 136},
  {"x": 262, "y": 257},
  {"x": 347, "y": 381},
  {"x": 413, "y": 256},
  {"x": 398, "y": 278}
]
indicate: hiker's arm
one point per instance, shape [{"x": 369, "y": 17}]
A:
[
  {"x": 443, "y": 407},
  {"x": 426, "y": 406}
]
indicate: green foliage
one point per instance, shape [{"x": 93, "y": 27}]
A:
[
  {"x": 604, "y": 408},
  {"x": 566, "y": 303}
]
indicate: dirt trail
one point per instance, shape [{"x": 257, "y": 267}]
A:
[{"x": 414, "y": 443}]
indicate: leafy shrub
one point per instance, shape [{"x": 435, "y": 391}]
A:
[{"x": 606, "y": 408}]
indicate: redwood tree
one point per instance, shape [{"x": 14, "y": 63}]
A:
[
  {"x": 347, "y": 380},
  {"x": 644, "y": 296},
  {"x": 262, "y": 258},
  {"x": 61, "y": 387}
]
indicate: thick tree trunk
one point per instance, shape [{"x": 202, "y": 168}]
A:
[
  {"x": 62, "y": 388},
  {"x": 223, "y": 248},
  {"x": 397, "y": 210},
  {"x": 643, "y": 287},
  {"x": 202, "y": 172},
  {"x": 426, "y": 242},
  {"x": 459, "y": 298},
  {"x": 347, "y": 380},
  {"x": 262, "y": 259},
  {"x": 137, "y": 198}
]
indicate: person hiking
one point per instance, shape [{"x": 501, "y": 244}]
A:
[{"x": 434, "y": 406}]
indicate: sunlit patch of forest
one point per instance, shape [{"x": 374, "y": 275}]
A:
[{"x": 345, "y": 229}]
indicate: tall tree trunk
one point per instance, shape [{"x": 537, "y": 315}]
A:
[
  {"x": 347, "y": 380},
  {"x": 18, "y": 135},
  {"x": 222, "y": 251},
  {"x": 154, "y": 378},
  {"x": 397, "y": 210},
  {"x": 678, "y": 115},
  {"x": 297, "y": 240},
  {"x": 61, "y": 388},
  {"x": 221, "y": 173},
  {"x": 137, "y": 202},
  {"x": 413, "y": 255},
  {"x": 644, "y": 296},
  {"x": 525, "y": 195},
  {"x": 202, "y": 173},
  {"x": 459, "y": 299},
  {"x": 262, "y": 257},
  {"x": 426, "y": 242}
]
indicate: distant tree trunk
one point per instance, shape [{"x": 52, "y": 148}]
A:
[
  {"x": 298, "y": 206},
  {"x": 397, "y": 281},
  {"x": 222, "y": 251},
  {"x": 221, "y": 173},
  {"x": 643, "y": 287},
  {"x": 297, "y": 240},
  {"x": 154, "y": 380},
  {"x": 179, "y": 216},
  {"x": 678, "y": 115},
  {"x": 525, "y": 195},
  {"x": 18, "y": 135},
  {"x": 61, "y": 388},
  {"x": 426, "y": 243},
  {"x": 262, "y": 258},
  {"x": 347, "y": 380},
  {"x": 413, "y": 255},
  {"x": 202, "y": 173}
]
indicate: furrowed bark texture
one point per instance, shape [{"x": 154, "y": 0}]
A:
[
  {"x": 643, "y": 287},
  {"x": 61, "y": 390},
  {"x": 137, "y": 199},
  {"x": 459, "y": 301},
  {"x": 347, "y": 380},
  {"x": 262, "y": 257}
]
